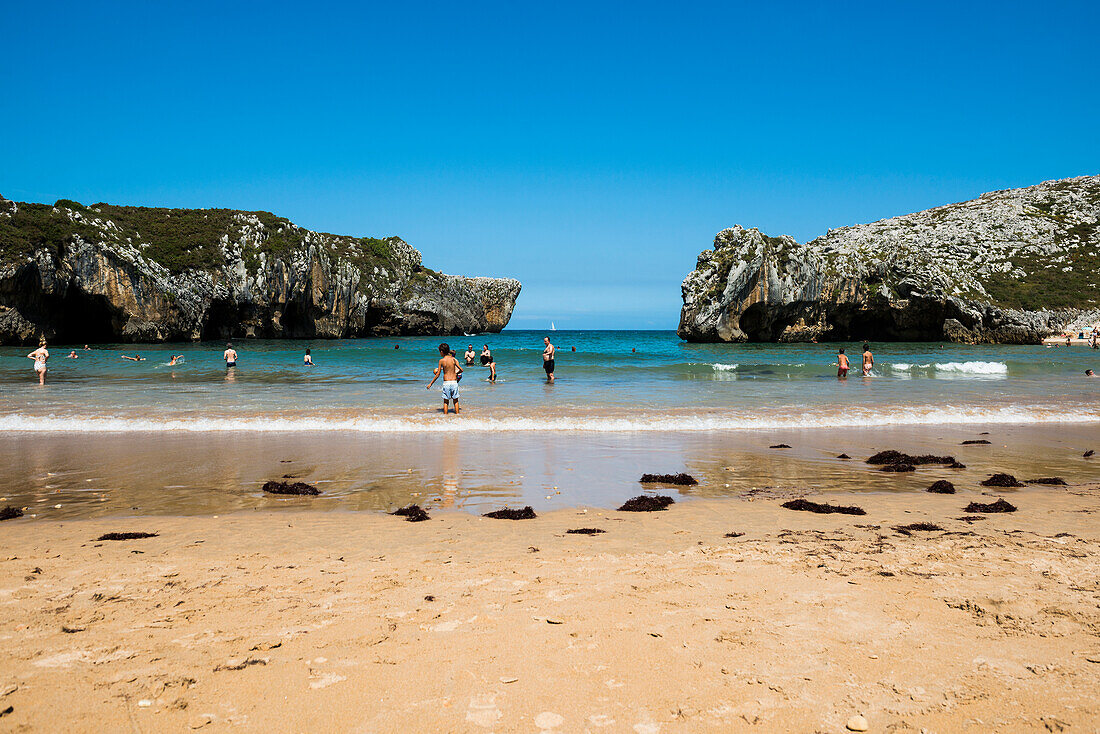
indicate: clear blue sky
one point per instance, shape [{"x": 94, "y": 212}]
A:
[{"x": 589, "y": 149}]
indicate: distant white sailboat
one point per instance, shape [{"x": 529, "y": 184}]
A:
[{"x": 552, "y": 327}]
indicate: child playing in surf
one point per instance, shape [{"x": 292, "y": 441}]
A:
[
  {"x": 842, "y": 364},
  {"x": 450, "y": 369}
]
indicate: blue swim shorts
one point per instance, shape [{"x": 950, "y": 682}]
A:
[{"x": 450, "y": 390}]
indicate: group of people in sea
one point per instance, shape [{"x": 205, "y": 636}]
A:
[
  {"x": 842, "y": 365},
  {"x": 449, "y": 368}
]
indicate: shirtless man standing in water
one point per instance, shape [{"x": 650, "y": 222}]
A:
[
  {"x": 548, "y": 359},
  {"x": 40, "y": 356},
  {"x": 450, "y": 369},
  {"x": 230, "y": 356}
]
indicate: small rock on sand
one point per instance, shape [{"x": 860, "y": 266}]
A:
[{"x": 857, "y": 723}]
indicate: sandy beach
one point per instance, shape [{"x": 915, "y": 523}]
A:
[{"x": 356, "y": 621}]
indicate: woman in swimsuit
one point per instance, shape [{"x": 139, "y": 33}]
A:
[
  {"x": 486, "y": 356},
  {"x": 40, "y": 356},
  {"x": 307, "y": 360}
]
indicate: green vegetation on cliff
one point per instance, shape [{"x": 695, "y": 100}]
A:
[{"x": 177, "y": 239}]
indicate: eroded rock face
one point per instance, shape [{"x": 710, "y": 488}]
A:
[
  {"x": 79, "y": 274},
  {"x": 1009, "y": 267}
]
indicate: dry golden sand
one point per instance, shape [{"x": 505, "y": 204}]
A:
[{"x": 359, "y": 622}]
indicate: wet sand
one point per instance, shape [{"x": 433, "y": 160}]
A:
[
  {"x": 166, "y": 473},
  {"x": 353, "y": 621}
]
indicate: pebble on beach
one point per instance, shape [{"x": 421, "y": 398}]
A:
[{"x": 857, "y": 723}]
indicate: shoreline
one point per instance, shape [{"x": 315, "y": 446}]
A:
[{"x": 363, "y": 622}]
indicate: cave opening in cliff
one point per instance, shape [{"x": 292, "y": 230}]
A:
[
  {"x": 297, "y": 321},
  {"x": 221, "y": 320},
  {"x": 85, "y": 318}
]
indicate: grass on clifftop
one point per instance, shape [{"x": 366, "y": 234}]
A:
[{"x": 178, "y": 239}]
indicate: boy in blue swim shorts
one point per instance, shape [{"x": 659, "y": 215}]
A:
[{"x": 450, "y": 369}]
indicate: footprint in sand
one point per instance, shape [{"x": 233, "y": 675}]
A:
[
  {"x": 325, "y": 680},
  {"x": 548, "y": 720},
  {"x": 483, "y": 710}
]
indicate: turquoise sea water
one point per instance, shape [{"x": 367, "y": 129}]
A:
[{"x": 604, "y": 385}]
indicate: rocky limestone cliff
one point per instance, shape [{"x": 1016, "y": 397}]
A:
[
  {"x": 74, "y": 273},
  {"x": 1008, "y": 267}
]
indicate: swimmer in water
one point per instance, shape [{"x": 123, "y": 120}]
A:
[
  {"x": 868, "y": 360},
  {"x": 175, "y": 360},
  {"x": 308, "y": 359},
  {"x": 230, "y": 356},
  {"x": 469, "y": 356},
  {"x": 40, "y": 356},
  {"x": 548, "y": 359},
  {"x": 841, "y": 364},
  {"x": 1089, "y": 373},
  {"x": 486, "y": 356},
  {"x": 72, "y": 355},
  {"x": 135, "y": 358}
]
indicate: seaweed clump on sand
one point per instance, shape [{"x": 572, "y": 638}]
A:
[
  {"x": 1088, "y": 453},
  {"x": 733, "y": 535},
  {"x": 942, "y": 487},
  {"x": 998, "y": 506},
  {"x": 891, "y": 457},
  {"x": 843, "y": 456},
  {"x": 508, "y": 514},
  {"x": 957, "y": 465},
  {"x": 822, "y": 508},
  {"x": 412, "y": 513},
  {"x": 299, "y": 488},
  {"x": 926, "y": 527},
  {"x": 1002, "y": 480},
  {"x": 10, "y": 513},
  {"x": 645, "y": 503},
  {"x": 585, "y": 531},
  {"x": 779, "y": 446},
  {"x": 1053, "y": 481},
  {"x": 126, "y": 536},
  {"x": 975, "y": 442},
  {"x": 682, "y": 479},
  {"x": 898, "y": 468}
]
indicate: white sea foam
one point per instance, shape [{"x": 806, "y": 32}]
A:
[
  {"x": 719, "y": 367},
  {"x": 897, "y": 416},
  {"x": 957, "y": 368},
  {"x": 974, "y": 368}
]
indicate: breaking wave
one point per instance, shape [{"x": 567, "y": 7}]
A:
[
  {"x": 273, "y": 423},
  {"x": 961, "y": 368}
]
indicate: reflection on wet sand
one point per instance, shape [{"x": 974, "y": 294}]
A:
[{"x": 209, "y": 474}]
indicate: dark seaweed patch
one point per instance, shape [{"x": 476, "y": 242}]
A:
[
  {"x": 898, "y": 468},
  {"x": 733, "y": 535},
  {"x": 843, "y": 456},
  {"x": 412, "y": 513},
  {"x": 508, "y": 514},
  {"x": 975, "y": 442},
  {"x": 998, "y": 506},
  {"x": 126, "y": 536},
  {"x": 779, "y": 446},
  {"x": 942, "y": 487},
  {"x": 1002, "y": 480},
  {"x": 645, "y": 503},
  {"x": 957, "y": 465},
  {"x": 585, "y": 531},
  {"x": 1088, "y": 453},
  {"x": 897, "y": 457},
  {"x": 10, "y": 513},
  {"x": 300, "y": 488},
  {"x": 926, "y": 527},
  {"x": 822, "y": 508},
  {"x": 1053, "y": 481},
  {"x": 682, "y": 479}
]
